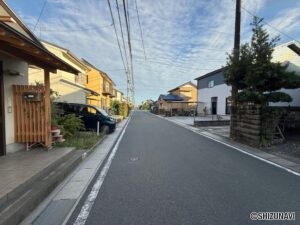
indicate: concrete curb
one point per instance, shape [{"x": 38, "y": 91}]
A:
[
  {"x": 18, "y": 203},
  {"x": 30, "y": 194},
  {"x": 18, "y": 191},
  {"x": 46, "y": 198}
]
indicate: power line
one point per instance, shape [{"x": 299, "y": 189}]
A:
[
  {"x": 41, "y": 12},
  {"x": 138, "y": 17},
  {"x": 279, "y": 31},
  {"x": 122, "y": 34},
  {"x": 112, "y": 17},
  {"x": 127, "y": 22}
]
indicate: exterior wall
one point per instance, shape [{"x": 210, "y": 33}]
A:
[
  {"x": 221, "y": 91},
  {"x": 282, "y": 54},
  {"x": 66, "y": 92},
  {"x": 218, "y": 78},
  {"x": 95, "y": 83},
  {"x": 188, "y": 92},
  {"x": 60, "y": 81},
  {"x": 119, "y": 96},
  {"x": 12, "y": 64}
]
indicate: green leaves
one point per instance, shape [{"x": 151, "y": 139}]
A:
[{"x": 254, "y": 74}]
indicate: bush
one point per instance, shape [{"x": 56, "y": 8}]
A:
[
  {"x": 70, "y": 124},
  {"x": 115, "y": 107}
]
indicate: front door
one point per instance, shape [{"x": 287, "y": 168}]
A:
[
  {"x": 2, "y": 115},
  {"x": 214, "y": 101}
]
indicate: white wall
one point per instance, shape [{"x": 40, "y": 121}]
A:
[
  {"x": 15, "y": 65},
  {"x": 69, "y": 93},
  {"x": 221, "y": 91},
  {"x": 281, "y": 54}
]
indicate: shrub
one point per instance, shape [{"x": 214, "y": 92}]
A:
[{"x": 70, "y": 124}]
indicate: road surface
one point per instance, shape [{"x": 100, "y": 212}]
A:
[{"x": 165, "y": 174}]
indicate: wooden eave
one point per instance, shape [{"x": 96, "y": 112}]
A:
[{"x": 14, "y": 43}]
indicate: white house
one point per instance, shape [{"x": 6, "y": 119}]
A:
[{"x": 214, "y": 93}]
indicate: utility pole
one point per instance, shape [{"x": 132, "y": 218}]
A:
[{"x": 236, "y": 52}]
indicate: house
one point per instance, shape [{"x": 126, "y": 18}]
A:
[
  {"x": 24, "y": 109},
  {"x": 118, "y": 95},
  {"x": 214, "y": 94},
  {"x": 187, "y": 91},
  {"x": 169, "y": 104},
  {"x": 180, "y": 100},
  {"x": 69, "y": 87},
  {"x": 289, "y": 53},
  {"x": 100, "y": 82}
]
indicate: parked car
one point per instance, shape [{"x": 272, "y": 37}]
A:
[{"x": 90, "y": 115}]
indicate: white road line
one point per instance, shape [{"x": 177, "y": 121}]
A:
[
  {"x": 252, "y": 155},
  {"x": 236, "y": 148},
  {"x": 86, "y": 208}
]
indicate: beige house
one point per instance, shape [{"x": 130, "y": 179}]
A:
[
  {"x": 118, "y": 95},
  {"x": 289, "y": 54},
  {"x": 187, "y": 91},
  {"x": 180, "y": 100},
  {"x": 99, "y": 82},
  {"x": 69, "y": 87}
]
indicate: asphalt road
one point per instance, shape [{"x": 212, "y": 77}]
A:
[{"x": 165, "y": 174}]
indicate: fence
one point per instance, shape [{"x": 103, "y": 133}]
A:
[{"x": 30, "y": 117}]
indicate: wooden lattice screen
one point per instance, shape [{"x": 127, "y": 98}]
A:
[{"x": 29, "y": 114}]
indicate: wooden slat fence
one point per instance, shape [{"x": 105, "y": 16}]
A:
[{"x": 29, "y": 114}]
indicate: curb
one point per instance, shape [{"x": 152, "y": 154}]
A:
[
  {"x": 16, "y": 205},
  {"x": 18, "y": 191},
  {"x": 29, "y": 195}
]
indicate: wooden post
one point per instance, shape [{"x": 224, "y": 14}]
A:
[
  {"x": 48, "y": 141},
  {"x": 236, "y": 52},
  {"x": 2, "y": 113}
]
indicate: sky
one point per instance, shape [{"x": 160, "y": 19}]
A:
[{"x": 172, "y": 42}]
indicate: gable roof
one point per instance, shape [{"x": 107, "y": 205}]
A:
[
  {"x": 293, "y": 45},
  {"x": 100, "y": 71},
  {"x": 211, "y": 73},
  {"x": 178, "y": 87},
  {"x": 17, "y": 40},
  {"x": 67, "y": 53}
]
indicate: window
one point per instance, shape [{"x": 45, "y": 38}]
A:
[{"x": 211, "y": 83}]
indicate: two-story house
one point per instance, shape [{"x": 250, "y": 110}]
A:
[
  {"x": 100, "y": 82},
  {"x": 69, "y": 87},
  {"x": 181, "y": 100},
  {"x": 118, "y": 95},
  {"x": 214, "y": 94}
]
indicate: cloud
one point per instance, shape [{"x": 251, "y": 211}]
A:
[{"x": 183, "y": 39}]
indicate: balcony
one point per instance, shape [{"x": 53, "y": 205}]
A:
[{"x": 107, "y": 90}]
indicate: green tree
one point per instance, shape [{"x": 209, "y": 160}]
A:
[
  {"x": 116, "y": 107},
  {"x": 256, "y": 77}
]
